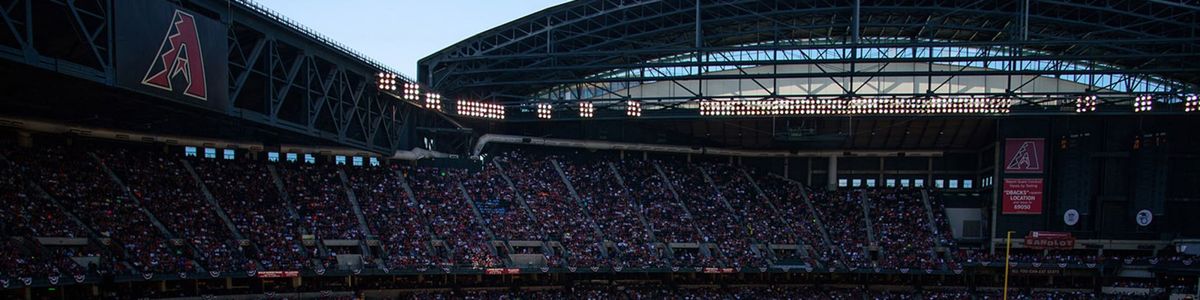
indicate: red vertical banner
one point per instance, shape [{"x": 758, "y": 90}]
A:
[
  {"x": 1024, "y": 155},
  {"x": 1022, "y": 196}
]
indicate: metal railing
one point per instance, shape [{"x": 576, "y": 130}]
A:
[{"x": 313, "y": 34}]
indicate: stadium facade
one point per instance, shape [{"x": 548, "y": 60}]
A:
[{"x": 604, "y": 147}]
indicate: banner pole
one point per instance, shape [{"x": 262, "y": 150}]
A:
[{"x": 1007, "y": 248}]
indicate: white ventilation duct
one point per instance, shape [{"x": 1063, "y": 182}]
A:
[
  {"x": 420, "y": 153},
  {"x": 603, "y": 145}
]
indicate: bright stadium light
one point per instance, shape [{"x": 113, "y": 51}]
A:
[
  {"x": 859, "y": 106},
  {"x": 412, "y": 91},
  {"x": 433, "y": 101},
  {"x": 543, "y": 110},
  {"x": 386, "y": 81},
  {"x": 480, "y": 109},
  {"x": 1143, "y": 103},
  {"x": 1191, "y": 103},
  {"x": 633, "y": 109},
  {"x": 1086, "y": 103},
  {"x": 586, "y": 109}
]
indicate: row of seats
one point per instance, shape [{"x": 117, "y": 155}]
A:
[
  {"x": 622, "y": 213},
  {"x": 651, "y": 291}
]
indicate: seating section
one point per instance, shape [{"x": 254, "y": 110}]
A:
[
  {"x": 165, "y": 187},
  {"x": 450, "y": 216},
  {"x": 615, "y": 212},
  {"x": 842, "y": 214},
  {"x": 79, "y": 182},
  {"x": 661, "y": 209},
  {"x": 719, "y": 223},
  {"x": 559, "y": 215},
  {"x": 902, "y": 227},
  {"x": 657, "y": 291},
  {"x": 498, "y": 205},
  {"x": 391, "y": 216},
  {"x": 25, "y": 213},
  {"x": 760, "y": 218},
  {"x": 623, "y": 214},
  {"x": 247, "y": 193},
  {"x": 788, "y": 199},
  {"x": 321, "y": 201}
]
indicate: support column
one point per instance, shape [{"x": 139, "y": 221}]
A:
[
  {"x": 24, "y": 139},
  {"x": 787, "y": 162},
  {"x": 833, "y": 174},
  {"x": 808, "y": 177}
]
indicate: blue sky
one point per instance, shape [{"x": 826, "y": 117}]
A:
[{"x": 399, "y": 32}]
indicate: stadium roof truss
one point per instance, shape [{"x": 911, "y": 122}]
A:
[
  {"x": 281, "y": 74},
  {"x": 670, "y": 56}
]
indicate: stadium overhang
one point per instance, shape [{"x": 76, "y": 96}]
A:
[{"x": 545, "y": 65}]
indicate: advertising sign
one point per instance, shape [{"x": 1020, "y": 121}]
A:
[{"x": 1022, "y": 196}]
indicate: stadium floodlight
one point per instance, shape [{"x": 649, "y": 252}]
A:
[
  {"x": 1191, "y": 103},
  {"x": 861, "y": 106},
  {"x": 1143, "y": 103},
  {"x": 480, "y": 109},
  {"x": 1086, "y": 103},
  {"x": 543, "y": 110},
  {"x": 633, "y": 108},
  {"x": 386, "y": 81},
  {"x": 586, "y": 109},
  {"x": 433, "y": 101},
  {"x": 412, "y": 91}
]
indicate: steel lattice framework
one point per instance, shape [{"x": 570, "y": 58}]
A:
[
  {"x": 602, "y": 50},
  {"x": 281, "y": 74}
]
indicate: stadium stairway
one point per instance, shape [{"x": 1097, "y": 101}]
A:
[
  {"x": 775, "y": 213},
  {"x": 625, "y": 192},
  {"x": 362, "y": 219},
  {"x": 291, "y": 209},
  {"x": 864, "y": 202},
  {"x": 175, "y": 241},
  {"x": 524, "y": 207},
  {"x": 812, "y": 210},
  {"x": 93, "y": 237},
  {"x": 662, "y": 175},
  {"x": 939, "y": 247},
  {"x": 412, "y": 201},
  {"x": 872, "y": 243},
  {"x": 216, "y": 205},
  {"x": 486, "y": 229},
  {"x": 562, "y": 175},
  {"x": 212, "y": 201},
  {"x": 739, "y": 217}
]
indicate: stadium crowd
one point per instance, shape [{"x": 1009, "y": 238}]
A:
[
  {"x": 902, "y": 225},
  {"x": 169, "y": 192},
  {"x": 393, "y": 217},
  {"x": 561, "y": 217},
  {"x": 627, "y": 213},
  {"x": 833, "y": 292},
  {"x": 78, "y": 182}
]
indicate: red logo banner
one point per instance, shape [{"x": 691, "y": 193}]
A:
[
  {"x": 179, "y": 56},
  {"x": 1024, "y": 155}
]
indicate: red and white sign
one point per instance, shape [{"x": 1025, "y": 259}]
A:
[
  {"x": 718, "y": 270},
  {"x": 1022, "y": 196},
  {"x": 502, "y": 271},
  {"x": 1024, "y": 156},
  {"x": 278, "y": 274},
  {"x": 1049, "y": 240}
]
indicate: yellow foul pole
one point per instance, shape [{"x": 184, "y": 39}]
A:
[{"x": 1007, "y": 247}]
